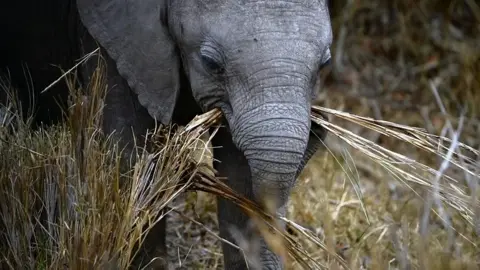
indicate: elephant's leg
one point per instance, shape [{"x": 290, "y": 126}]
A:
[
  {"x": 153, "y": 252},
  {"x": 124, "y": 116}
]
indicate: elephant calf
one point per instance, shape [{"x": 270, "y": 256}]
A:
[{"x": 258, "y": 61}]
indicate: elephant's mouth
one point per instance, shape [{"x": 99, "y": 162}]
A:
[{"x": 227, "y": 112}]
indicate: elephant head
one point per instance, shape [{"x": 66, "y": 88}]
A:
[{"x": 258, "y": 61}]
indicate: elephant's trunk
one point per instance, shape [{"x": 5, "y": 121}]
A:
[{"x": 273, "y": 137}]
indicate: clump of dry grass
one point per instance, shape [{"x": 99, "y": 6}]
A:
[{"x": 66, "y": 199}]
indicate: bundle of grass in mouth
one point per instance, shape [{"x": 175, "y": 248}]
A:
[{"x": 66, "y": 202}]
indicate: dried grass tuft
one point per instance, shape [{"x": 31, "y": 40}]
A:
[{"x": 66, "y": 199}]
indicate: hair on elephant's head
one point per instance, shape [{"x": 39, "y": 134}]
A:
[{"x": 256, "y": 60}]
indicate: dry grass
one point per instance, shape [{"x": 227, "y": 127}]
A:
[
  {"x": 382, "y": 196},
  {"x": 66, "y": 200}
]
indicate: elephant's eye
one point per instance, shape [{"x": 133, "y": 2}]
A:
[
  {"x": 211, "y": 64},
  {"x": 322, "y": 70},
  {"x": 325, "y": 64}
]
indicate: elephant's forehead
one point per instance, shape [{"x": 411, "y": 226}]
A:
[
  {"x": 280, "y": 55},
  {"x": 295, "y": 22},
  {"x": 221, "y": 5},
  {"x": 250, "y": 25}
]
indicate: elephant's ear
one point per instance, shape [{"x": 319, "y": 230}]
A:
[{"x": 134, "y": 35}]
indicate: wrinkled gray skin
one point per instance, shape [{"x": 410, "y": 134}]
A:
[{"x": 256, "y": 60}]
